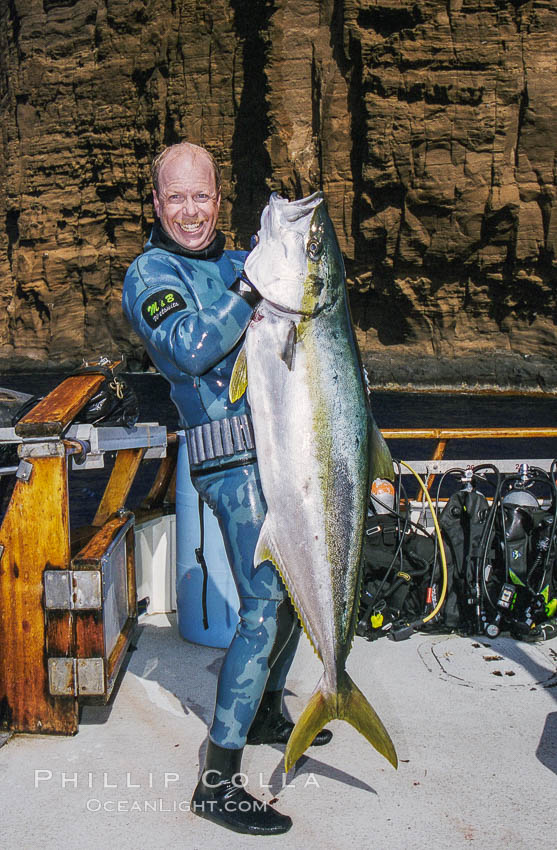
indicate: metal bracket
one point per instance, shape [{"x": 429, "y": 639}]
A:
[
  {"x": 24, "y": 471},
  {"x": 111, "y": 438},
  {"x": 90, "y": 677},
  {"x": 72, "y": 677},
  {"x": 92, "y": 461},
  {"x": 72, "y": 590},
  {"x": 41, "y": 448}
]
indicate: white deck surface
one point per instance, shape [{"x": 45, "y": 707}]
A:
[{"x": 474, "y": 723}]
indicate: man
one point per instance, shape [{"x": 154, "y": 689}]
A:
[{"x": 189, "y": 301}]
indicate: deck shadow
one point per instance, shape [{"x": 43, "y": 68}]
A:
[
  {"x": 309, "y": 765},
  {"x": 161, "y": 655},
  {"x": 547, "y": 748}
]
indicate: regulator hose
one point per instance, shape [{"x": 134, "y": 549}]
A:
[{"x": 442, "y": 595}]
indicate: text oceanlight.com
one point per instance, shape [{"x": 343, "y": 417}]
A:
[{"x": 161, "y": 805}]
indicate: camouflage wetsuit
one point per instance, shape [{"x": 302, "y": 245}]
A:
[{"x": 191, "y": 323}]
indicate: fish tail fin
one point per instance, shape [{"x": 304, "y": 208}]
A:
[
  {"x": 348, "y": 704},
  {"x": 356, "y": 710},
  {"x": 321, "y": 708}
]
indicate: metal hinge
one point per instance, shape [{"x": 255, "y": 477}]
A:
[
  {"x": 72, "y": 590},
  {"x": 76, "y": 677}
]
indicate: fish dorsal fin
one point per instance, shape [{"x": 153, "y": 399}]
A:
[
  {"x": 239, "y": 377},
  {"x": 381, "y": 462}
]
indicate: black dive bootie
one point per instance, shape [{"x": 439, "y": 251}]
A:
[
  {"x": 221, "y": 798},
  {"x": 270, "y": 726}
]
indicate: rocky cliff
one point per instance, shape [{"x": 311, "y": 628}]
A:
[{"x": 429, "y": 125}]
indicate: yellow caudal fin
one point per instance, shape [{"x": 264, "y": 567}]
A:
[
  {"x": 356, "y": 710},
  {"x": 348, "y": 704},
  {"x": 320, "y": 709},
  {"x": 239, "y": 377}
]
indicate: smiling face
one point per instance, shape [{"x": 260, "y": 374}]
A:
[{"x": 187, "y": 201}]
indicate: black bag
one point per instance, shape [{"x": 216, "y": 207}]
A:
[
  {"x": 396, "y": 573},
  {"x": 524, "y": 571},
  {"x": 114, "y": 403}
]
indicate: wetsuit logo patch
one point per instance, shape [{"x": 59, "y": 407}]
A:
[{"x": 160, "y": 305}]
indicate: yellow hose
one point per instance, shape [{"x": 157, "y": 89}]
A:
[{"x": 441, "y": 546}]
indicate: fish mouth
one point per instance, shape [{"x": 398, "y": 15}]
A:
[{"x": 293, "y": 211}]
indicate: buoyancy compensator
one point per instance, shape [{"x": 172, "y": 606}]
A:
[
  {"x": 520, "y": 583},
  {"x": 467, "y": 525}
]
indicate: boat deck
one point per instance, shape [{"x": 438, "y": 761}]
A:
[{"x": 474, "y": 722}]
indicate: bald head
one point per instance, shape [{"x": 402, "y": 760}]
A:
[{"x": 193, "y": 152}]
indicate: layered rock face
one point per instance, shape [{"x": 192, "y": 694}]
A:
[{"x": 429, "y": 126}]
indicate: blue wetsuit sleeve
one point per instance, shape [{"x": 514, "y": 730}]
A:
[{"x": 162, "y": 307}]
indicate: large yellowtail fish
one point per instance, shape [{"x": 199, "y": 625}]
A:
[{"x": 317, "y": 446}]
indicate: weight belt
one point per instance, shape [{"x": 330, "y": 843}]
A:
[{"x": 220, "y": 444}]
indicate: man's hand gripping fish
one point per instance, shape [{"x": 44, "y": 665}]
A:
[{"x": 317, "y": 447}]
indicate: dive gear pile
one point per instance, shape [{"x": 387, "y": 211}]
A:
[{"x": 497, "y": 540}]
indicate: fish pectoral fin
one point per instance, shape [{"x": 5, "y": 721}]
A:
[
  {"x": 239, "y": 377},
  {"x": 356, "y": 710},
  {"x": 320, "y": 709},
  {"x": 348, "y": 704},
  {"x": 289, "y": 348}
]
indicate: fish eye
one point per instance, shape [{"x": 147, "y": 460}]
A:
[{"x": 314, "y": 249}]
